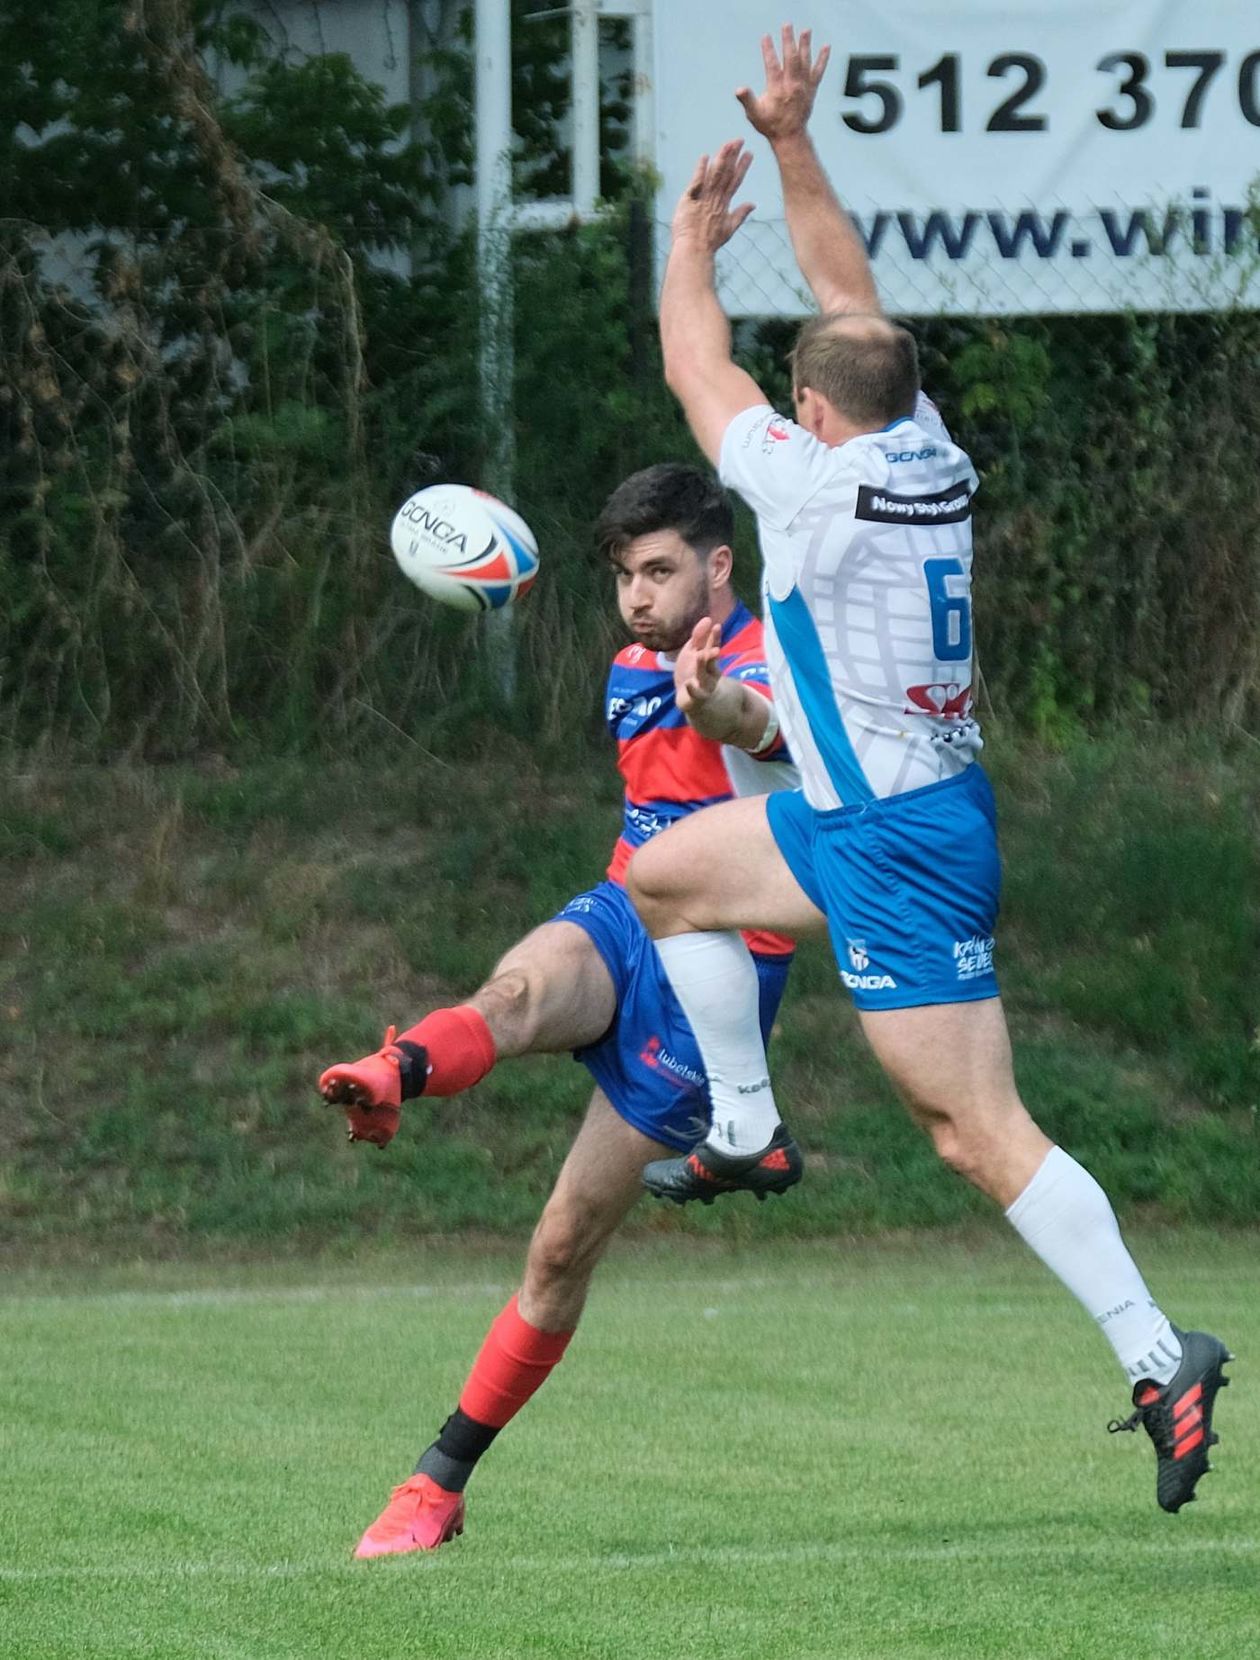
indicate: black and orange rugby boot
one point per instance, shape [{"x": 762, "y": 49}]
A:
[
  {"x": 705, "y": 1173},
  {"x": 1178, "y": 1417}
]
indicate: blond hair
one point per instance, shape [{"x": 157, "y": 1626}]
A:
[{"x": 866, "y": 367}]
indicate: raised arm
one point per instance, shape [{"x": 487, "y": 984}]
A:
[
  {"x": 828, "y": 248},
  {"x": 718, "y": 705},
  {"x": 695, "y": 335}
]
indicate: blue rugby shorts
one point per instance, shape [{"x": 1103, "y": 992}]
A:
[
  {"x": 910, "y": 887},
  {"x": 648, "y": 1062}
]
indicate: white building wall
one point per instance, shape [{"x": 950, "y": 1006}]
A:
[{"x": 374, "y": 34}]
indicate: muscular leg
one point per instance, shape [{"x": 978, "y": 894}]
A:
[
  {"x": 552, "y": 991},
  {"x": 718, "y": 870},
  {"x": 951, "y": 1064},
  {"x": 597, "y": 1185}
]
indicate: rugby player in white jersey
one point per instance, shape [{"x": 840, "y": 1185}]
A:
[{"x": 863, "y": 507}]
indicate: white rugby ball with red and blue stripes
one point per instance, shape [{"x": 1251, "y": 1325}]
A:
[{"x": 464, "y": 547}]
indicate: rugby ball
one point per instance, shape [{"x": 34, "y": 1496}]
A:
[{"x": 464, "y": 547}]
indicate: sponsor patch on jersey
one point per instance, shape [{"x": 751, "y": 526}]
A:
[
  {"x": 639, "y": 708},
  {"x": 950, "y": 506},
  {"x": 946, "y": 699}
]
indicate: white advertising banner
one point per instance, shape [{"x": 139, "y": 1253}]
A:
[{"x": 999, "y": 156}]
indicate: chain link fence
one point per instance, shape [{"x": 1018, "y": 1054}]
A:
[{"x": 1039, "y": 259}]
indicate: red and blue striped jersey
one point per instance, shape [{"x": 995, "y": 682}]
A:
[{"x": 668, "y": 768}]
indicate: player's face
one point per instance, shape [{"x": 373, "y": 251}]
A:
[{"x": 662, "y": 589}]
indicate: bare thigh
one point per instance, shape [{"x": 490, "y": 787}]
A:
[
  {"x": 719, "y": 868},
  {"x": 598, "y": 1184},
  {"x": 550, "y": 992},
  {"x": 951, "y": 1063}
]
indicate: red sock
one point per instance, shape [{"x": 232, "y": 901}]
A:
[
  {"x": 515, "y": 1360},
  {"x": 459, "y": 1045}
]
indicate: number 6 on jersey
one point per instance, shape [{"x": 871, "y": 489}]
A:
[{"x": 951, "y": 612}]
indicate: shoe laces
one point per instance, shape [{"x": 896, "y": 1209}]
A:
[
  {"x": 1118, "y": 1426},
  {"x": 1151, "y": 1414},
  {"x": 403, "y": 1501}
]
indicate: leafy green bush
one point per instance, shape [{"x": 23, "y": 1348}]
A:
[{"x": 236, "y": 330}]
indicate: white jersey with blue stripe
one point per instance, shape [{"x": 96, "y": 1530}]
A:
[{"x": 866, "y": 550}]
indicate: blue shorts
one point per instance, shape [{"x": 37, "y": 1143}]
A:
[
  {"x": 648, "y": 1063},
  {"x": 909, "y": 885}
]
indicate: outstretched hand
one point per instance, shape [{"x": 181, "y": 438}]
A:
[
  {"x": 704, "y": 212},
  {"x": 696, "y": 668},
  {"x": 784, "y": 108}
]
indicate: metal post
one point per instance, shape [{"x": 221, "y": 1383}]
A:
[
  {"x": 642, "y": 256},
  {"x": 643, "y": 95},
  {"x": 584, "y": 80},
  {"x": 493, "y": 52}
]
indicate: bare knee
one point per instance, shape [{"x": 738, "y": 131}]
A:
[
  {"x": 652, "y": 890},
  {"x": 564, "y": 1248},
  {"x": 563, "y": 1253},
  {"x": 995, "y": 1148},
  {"x": 954, "y": 1147},
  {"x": 509, "y": 1003},
  {"x": 963, "y": 1133}
]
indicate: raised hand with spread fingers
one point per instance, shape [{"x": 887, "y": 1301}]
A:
[{"x": 784, "y": 108}]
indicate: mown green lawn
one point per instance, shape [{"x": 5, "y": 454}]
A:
[{"x": 827, "y": 1450}]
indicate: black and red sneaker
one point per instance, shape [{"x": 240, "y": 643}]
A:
[
  {"x": 705, "y": 1173},
  {"x": 1178, "y": 1417}
]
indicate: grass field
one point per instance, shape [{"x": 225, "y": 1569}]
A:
[{"x": 808, "y": 1453}]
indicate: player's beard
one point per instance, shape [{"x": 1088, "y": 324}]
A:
[{"x": 670, "y": 637}]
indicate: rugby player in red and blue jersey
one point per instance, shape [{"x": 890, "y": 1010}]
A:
[{"x": 689, "y": 706}]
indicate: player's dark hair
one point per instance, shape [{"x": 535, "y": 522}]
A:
[
  {"x": 866, "y": 367},
  {"x": 666, "y": 497}
]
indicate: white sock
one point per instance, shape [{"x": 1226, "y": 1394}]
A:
[
  {"x": 1067, "y": 1219},
  {"x": 716, "y": 982}
]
